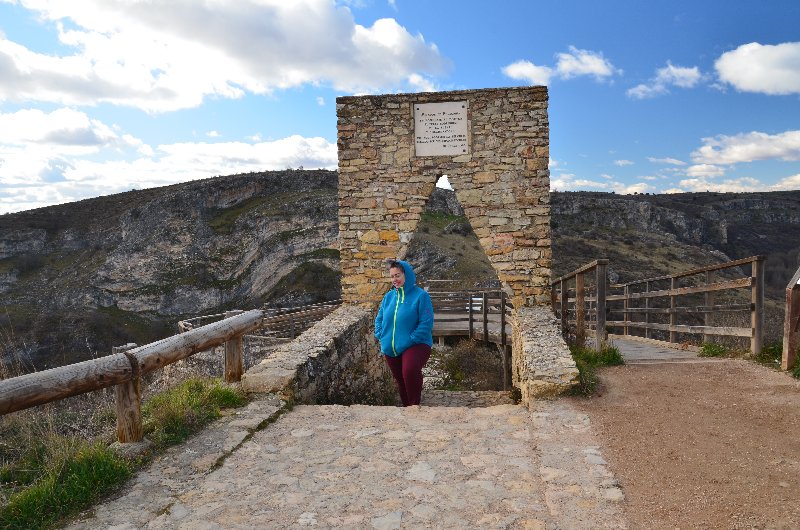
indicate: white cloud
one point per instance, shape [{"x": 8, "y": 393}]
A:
[
  {"x": 679, "y": 76},
  {"x": 739, "y": 185},
  {"x": 568, "y": 182},
  {"x": 747, "y": 147},
  {"x": 672, "y": 161},
  {"x": 622, "y": 163},
  {"x": 320, "y": 101},
  {"x": 64, "y": 129},
  {"x": 127, "y": 52},
  {"x": 788, "y": 183},
  {"x": 34, "y": 177},
  {"x": 639, "y": 187},
  {"x": 767, "y": 69},
  {"x": 644, "y": 91},
  {"x": 527, "y": 71},
  {"x": 213, "y": 134},
  {"x": 561, "y": 182},
  {"x": 570, "y": 64},
  {"x": 584, "y": 62},
  {"x": 552, "y": 163},
  {"x": 670, "y": 75},
  {"x": 419, "y": 83},
  {"x": 648, "y": 177},
  {"x": 704, "y": 170}
]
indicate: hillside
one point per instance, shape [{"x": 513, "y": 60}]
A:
[
  {"x": 647, "y": 235},
  {"x": 78, "y": 278}
]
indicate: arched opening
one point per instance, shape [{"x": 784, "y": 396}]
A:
[{"x": 453, "y": 267}]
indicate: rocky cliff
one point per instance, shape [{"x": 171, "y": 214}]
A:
[
  {"x": 76, "y": 279},
  {"x": 647, "y": 235}
]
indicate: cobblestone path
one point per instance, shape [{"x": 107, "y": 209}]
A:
[{"x": 500, "y": 466}]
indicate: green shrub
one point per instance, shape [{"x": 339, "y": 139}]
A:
[
  {"x": 608, "y": 356},
  {"x": 176, "y": 414},
  {"x": 587, "y": 378},
  {"x": 46, "y": 476},
  {"x": 587, "y": 360},
  {"x": 771, "y": 354},
  {"x": 67, "y": 487},
  {"x": 468, "y": 365},
  {"x": 709, "y": 349}
]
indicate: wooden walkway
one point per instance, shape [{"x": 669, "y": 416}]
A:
[
  {"x": 455, "y": 325},
  {"x": 645, "y": 352}
]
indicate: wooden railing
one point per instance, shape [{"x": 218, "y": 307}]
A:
[
  {"x": 279, "y": 322},
  {"x": 289, "y": 322},
  {"x": 480, "y": 315},
  {"x": 124, "y": 370},
  {"x": 643, "y": 302},
  {"x": 568, "y": 296},
  {"x": 791, "y": 323}
]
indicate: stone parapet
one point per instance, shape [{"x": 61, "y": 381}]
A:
[
  {"x": 542, "y": 365},
  {"x": 336, "y": 361}
]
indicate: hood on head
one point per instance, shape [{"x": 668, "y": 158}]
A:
[{"x": 411, "y": 278}]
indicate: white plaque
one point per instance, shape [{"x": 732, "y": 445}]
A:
[{"x": 440, "y": 129}]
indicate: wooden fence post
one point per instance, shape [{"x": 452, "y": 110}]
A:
[
  {"x": 233, "y": 354},
  {"x": 129, "y": 401},
  {"x": 469, "y": 305},
  {"x": 625, "y": 305},
  {"x": 757, "y": 301},
  {"x": 708, "y": 301},
  {"x": 600, "y": 306},
  {"x": 564, "y": 295},
  {"x": 503, "y": 338},
  {"x": 647, "y": 311},
  {"x": 791, "y": 323},
  {"x": 580, "y": 331},
  {"x": 673, "y": 312},
  {"x": 485, "y": 318}
]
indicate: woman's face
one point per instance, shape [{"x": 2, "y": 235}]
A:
[{"x": 398, "y": 276}]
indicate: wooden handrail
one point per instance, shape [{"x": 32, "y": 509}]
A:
[
  {"x": 124, "y": 369},
  {"x": 562, "y": 298},
  {"x": 599, "y": 267},
  {"x": 580, "y": 270},
  {"x": 692, "y": 272},
  {"x": 37, "y": 388},
  {"x": 126, "y": 365}
]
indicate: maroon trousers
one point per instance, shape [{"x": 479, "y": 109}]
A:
[{"x": 407, "y": 372}]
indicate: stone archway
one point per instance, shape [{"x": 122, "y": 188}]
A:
[{"x": 494, "y": 146}]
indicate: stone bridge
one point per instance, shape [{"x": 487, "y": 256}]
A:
[
  {"x": 342, "y": 458},
  {"x": 462, "y": 460}
]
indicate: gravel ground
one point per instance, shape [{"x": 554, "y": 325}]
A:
[{"x": 701, "y": 445}]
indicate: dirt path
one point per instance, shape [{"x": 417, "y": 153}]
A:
[{"x": 701, "y": 445}]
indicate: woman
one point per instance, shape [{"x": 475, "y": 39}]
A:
[{"x": 404, "y": 328}]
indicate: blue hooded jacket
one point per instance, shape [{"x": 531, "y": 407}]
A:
[{"x": 405, "y": 317}]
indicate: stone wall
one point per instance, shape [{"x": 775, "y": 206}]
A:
[
  {"x": 542, "y": 365},
  {"x": 335, "y": 361},
  {"x": 502, "y": 183}
]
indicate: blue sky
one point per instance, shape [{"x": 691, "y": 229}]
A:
[{"x": 103, "y": 96}]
